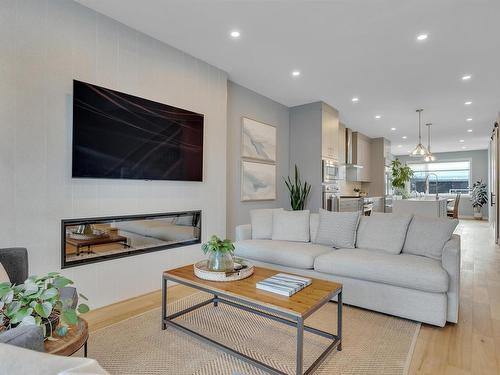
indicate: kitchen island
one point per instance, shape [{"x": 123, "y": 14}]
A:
[{"x": 424, "y": 206}]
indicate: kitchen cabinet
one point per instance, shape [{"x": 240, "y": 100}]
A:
[
  {"x": 378, "y": 204},
  {"x": 342, "y": 140},
  {"x": 361, "y": 150},
  {"x": 329, "y": 132}
]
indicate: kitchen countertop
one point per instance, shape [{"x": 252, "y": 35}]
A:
[{"x": 426, "y": 199}]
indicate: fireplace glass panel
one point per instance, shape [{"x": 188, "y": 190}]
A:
[{"x": 97, "y": 239}]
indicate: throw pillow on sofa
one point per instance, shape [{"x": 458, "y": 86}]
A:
[
  {"x": 428, "y": 235},
  {"x": 262, "y": 223},
  {"x": 337, "y": 229},
  {"x": 382, "y": 231},
  {"x": 291, "y": 226}
]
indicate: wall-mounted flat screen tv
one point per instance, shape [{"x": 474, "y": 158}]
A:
[{"x": 117, "y": 135}]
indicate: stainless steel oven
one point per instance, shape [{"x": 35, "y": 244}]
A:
[{"x": 331, "y": 171}]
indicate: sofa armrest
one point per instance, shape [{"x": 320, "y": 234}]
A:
[
  {"x": 28, "y": 337},
  {"x": 15, "y": 262},
  {"x": 451, "y": 263},
  {"x": 244, "y": 232}
]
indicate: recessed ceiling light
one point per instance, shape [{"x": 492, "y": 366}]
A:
[
  {"x": 464, "y": 147},
  {"x": 399, "y": 146},
  {"x": 422, "y": 37},
  {"x": 355, "y": 100},
  {"x": 235, "y": 34},
  {"x": 393, "y": 129},
  {"x": 296, "y": 73},
  {"x": 378, "y": 117},
  {"x": 461, "y": 141},
  {"x": 466, "y": 77},
  {"x": 469, "y": 119},
  {"x": 468, "y": 103},
  {"x": 469, "y": 130},
  {"x": 404, "y": 137}
]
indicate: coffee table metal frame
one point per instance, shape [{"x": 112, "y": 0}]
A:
[{"x": 264, "y": 311}]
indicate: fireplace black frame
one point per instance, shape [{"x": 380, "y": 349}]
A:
[{"x": 95, "y": 220}]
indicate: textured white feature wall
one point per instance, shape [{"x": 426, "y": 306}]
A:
[{"x": 44, "y": 45}]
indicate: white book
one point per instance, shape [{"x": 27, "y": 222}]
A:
[{"x": 284, "y": 284}]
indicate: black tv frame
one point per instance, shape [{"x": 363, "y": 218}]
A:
[{"x": 131, "y": 178}]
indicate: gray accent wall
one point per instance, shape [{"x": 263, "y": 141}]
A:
[
  {"x": 242, "y": 102},
  {"x": 479, "y": 170},
  {"x": 44, "y": 45}
]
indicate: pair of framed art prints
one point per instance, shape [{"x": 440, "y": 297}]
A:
[{"x": 258, "y": 161}]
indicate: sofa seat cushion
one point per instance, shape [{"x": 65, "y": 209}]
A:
[
  {"x": 284, "y": 253},
  {"x": 403, "y": 270}
]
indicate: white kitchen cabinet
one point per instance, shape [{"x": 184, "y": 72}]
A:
[
  {"x": 330, "y": 133},
  {"x": 361, "y": 149},
  {"x": 342, "y": 150}
]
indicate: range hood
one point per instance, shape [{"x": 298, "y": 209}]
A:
[{"x": 350, "y": 158}]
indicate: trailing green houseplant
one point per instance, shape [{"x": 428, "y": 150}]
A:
[
  {"x": 298, "y": 191},
  {"x": 401, "y": 175},
  {"x": 220, "y": 256},
  {"x": 479, "y": 197},
  {"x": 38, "y": 302}
]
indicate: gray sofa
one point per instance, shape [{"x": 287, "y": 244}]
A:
[
  {"x": 421, "y": 287},
  {"x": 15, "y": 262}
]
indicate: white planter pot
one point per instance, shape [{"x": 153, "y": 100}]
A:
[{"x": 477, "y": 213}]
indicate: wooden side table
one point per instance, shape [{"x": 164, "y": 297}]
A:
[{"x": 75, "y": 339}]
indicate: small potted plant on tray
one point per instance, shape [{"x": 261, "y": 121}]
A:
[
  {"x": 38, "y": 302},
  {"x": 220, "y": 254}
]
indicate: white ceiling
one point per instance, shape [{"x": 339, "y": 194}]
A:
[{"x": 347, "y": 48}]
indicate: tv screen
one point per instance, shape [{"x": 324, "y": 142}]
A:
[{"x": 116, "y": 135}]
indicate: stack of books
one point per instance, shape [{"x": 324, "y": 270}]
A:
[{"x": 283, "y": 284}]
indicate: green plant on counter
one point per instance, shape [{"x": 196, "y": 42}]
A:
[
  {"x": 298, "y": 191},
  {"x": 38, "y": 302},
  {"x": 401, "y": 175},
  {"x": 216, "y": 244}
]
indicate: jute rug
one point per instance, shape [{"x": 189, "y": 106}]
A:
[{"x": 373, "y": 343}]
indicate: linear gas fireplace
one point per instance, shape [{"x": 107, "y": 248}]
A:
[{"x": 93, "y": 240}]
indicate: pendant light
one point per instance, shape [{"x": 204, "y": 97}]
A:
[
  {"x": 419, "y": 150},
  {"x": 429, "y": 156}
]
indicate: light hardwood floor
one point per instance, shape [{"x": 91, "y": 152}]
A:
[{"x": 470, "y": 347}]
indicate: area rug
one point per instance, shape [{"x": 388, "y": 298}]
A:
[{"x": 373, "y": 343}]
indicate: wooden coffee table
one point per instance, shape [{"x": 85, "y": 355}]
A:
[
  {"x": 244, "y": 295},
  {"x": 75, "y": 339}
]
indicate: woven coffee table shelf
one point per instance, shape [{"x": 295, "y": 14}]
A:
[{"x": 201, "y": 271}]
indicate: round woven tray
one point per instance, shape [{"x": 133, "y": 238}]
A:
[{"x": 201, "y": 271}]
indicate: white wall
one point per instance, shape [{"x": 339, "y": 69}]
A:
[
  {"x": 44, "y": 45},
  {"x": 242, "y": 102},
  {"x": 479, "y": 171}
]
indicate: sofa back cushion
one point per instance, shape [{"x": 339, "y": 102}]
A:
[
  {"x": 291, "y": 226},
  {"x": 313, "y": 226},
  {"x": 428, "y": 235},
  {"x": 337, "y": 229},
  {"x": 262, "y": 223},
  {"x": 381, "y": 231}
]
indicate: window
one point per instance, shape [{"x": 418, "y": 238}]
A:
[{"x": 453, "y": 176}]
